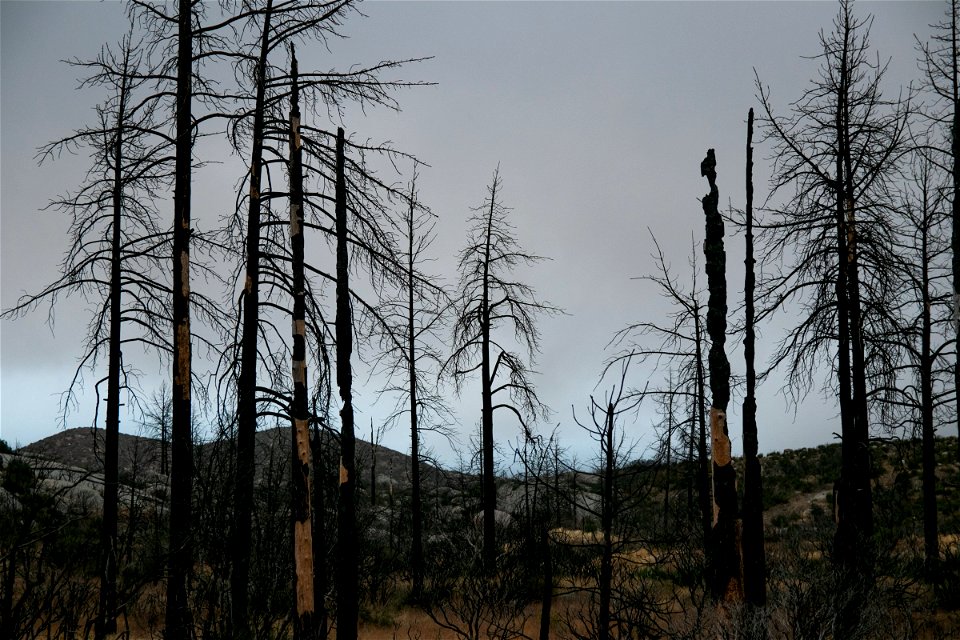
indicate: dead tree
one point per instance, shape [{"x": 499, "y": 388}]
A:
[
  {"x": 726, "y": 563},
  {"x": 303, "y": 625},
  {"x": 914, "y": 403},
  {"x": 114, "y": 256},
  {"x": 754, "y": 556},
  {"x": 410, "y": 354},
  {"x": 604, "y": 417},
  {"x": 677, "y": 345},
  {"x": 941, "y": 77},
  {"x": 347, "y": 551},
  {"x": 488, "y": 300},
  {"x": 263, "y": 256},
  {"x": 180, "y": 564},
  {"x": 838, "y": 151}
]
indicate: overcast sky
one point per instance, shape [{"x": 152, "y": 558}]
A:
[{"x": 597, "y": 113}]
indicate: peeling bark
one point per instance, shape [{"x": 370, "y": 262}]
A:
[{"x": 303, "y": 621}]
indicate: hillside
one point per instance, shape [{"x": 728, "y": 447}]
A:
[{"x": 142, "y": 457}]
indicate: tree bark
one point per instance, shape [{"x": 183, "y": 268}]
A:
[
  {"x": 754, "y": 556},
  {"x": 180, "y": 563},
  {"x": 247, "y": 384},
  {"x": 606, "y": 525},
  {"x": 348, "y": 556},
  {"x": 107, "y": 620},
  {"x": 416, "y": 497},
  {"x": 303, "y": 621},
  {"x": 727, "y": 564},
  {"x": 931, "y": 537},
  {"x": 486, "y": 381},
  {"x": 704, "y": 486}
]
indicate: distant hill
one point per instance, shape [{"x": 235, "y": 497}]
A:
[{"x": 83, "y": 448}]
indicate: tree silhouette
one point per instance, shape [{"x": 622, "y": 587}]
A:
[
  {"x": 726, "y": 562},
  {"x": 114, "y": 257},
  {"x": 488, "y": 299},
  {"x": 754, "y": 558},
  {"x": 409, "y": 356},
  {"x": 838, "y": 153},
  {"x": 941, "y": 77}
]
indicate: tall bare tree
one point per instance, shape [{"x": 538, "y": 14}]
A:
[
  {"x": 754, "y": 556},
  {"x": 679, "y": 346},
  {"x": 409, "y": 357},
  {"x": 838, "y": 152},
  {"x": 941, "y": 77},
  {"x": 489, "y": 299},
  {"x": 303, "y": 626},
  {"x": 180, "y": 563},
  {"x": 915, "y": 402},
  {"x": 347, "y": 551},
  {"x": 114, "y": 256}
]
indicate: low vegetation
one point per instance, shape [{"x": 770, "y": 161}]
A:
[{"x": 548, "y": 547}]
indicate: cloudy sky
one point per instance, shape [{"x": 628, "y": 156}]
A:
[{"x": 597, "y": 113}]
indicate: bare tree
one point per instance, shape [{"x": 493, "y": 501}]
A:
[
  {"x": 488, "y": 299},
  {"x": 677, "y": 345},
  {"x": 114, "y": 256},
  {"x": 410, "y": 353},
  {"x": 303, "y": 626},
  {"x": 938, "y": 62},
  {"x": 913, "y": 401},
  {"x": 754, "y": 557},
  {"x": 838, "y": 153},
  {"x": 604, "y": 418}
]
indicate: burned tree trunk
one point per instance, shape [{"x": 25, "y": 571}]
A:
[
  {"x": 931, "y": 537},
  {"x": 852, "y": 544},
  {"x": 180, "y": 563},
  {"x": 303, "y": 622},
  {"x": 726, "y": 564},
  {"x": 107, "y": 622},
  {"x": 704, "y": 488},
  {"x": 489, "y": 488},
  {"x": 416, "y": 490},
  {"x": 347, "y": 556},
  {"x": 247, "y": 384},
  {"x": 606, "y": 525},
  {"x": 754, "y": 557}
]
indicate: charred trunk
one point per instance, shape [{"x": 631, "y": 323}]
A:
[
  {"x": 303, "y": 620},
  {"x": 247, "y": 387},
  {"x": 180, "y": 562},
  {"x": 754, "y": 556},
  {"x": 726, "y": 561},
  {"x": 347, "y": 551},
  {"x": 416, "y": 494}
]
